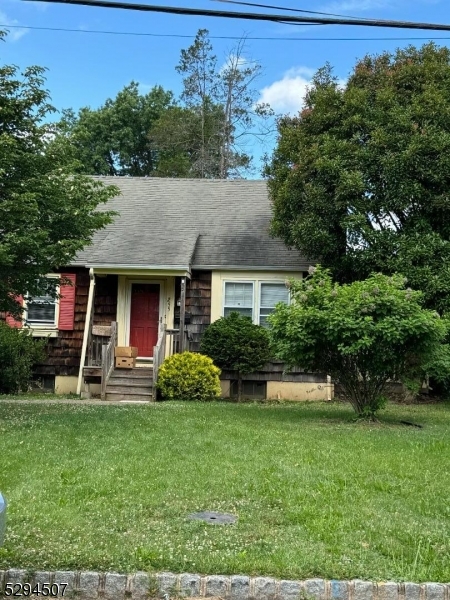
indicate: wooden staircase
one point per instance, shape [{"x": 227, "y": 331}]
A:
[{"x": 130, "y": 385}]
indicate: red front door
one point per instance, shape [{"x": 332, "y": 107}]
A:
[{"x": 144, "y": 317}]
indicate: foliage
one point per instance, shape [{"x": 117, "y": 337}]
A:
[
  {"x": 235, "y": 343},
  {"x": 47, "y": 215},
  {"x": 18, "y": 353},
  {"x": 360, "y": 178},
  {"x": 113, "y": 139},
  {"x": 362, "y": 334},
  {"x": 188, "y": 376}
]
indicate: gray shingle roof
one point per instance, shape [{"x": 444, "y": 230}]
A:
[{"x": 189, "y": 223}]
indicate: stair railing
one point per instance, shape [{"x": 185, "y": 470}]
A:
[
  {"x": 159, "y": 353},
  {"x": 108, "y": 358}
]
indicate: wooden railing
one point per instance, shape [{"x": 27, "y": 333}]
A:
[
  {"x": 173, "y": 341},
  {"x": 159, "y": 353},
  {"x": 108, "y": 358}
]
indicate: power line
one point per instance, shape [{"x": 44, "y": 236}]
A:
[
  {"x": 224, "y": 37},
  {"x": 175, "y": 10}
]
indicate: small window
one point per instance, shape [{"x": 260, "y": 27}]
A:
[
  {"x": 238, "y": 298},
  {"x": 41, "y": 311},
  {"x": 271, "y": 294},
  {"x": 255, "y": 390}
]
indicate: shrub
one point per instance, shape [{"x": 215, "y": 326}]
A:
[
  {"x": 363, "y": 334},
  {"x": 189, "y": 376},
  {"x": 235, "y": 343},
  {"x": 18, "y": 353}
]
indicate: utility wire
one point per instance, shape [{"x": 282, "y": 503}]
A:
[
  {"x": 175, "y": 10},
  {"x": 223, "y": 37}
]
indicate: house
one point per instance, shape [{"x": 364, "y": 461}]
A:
[{"x": 180, "y": 254}]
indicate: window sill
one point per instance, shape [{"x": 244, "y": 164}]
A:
[{"x": 44, "y": 332}]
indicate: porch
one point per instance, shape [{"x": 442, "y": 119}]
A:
[
  {"x": 146, "y": 312},
  {"x": 99, "y": 367}
]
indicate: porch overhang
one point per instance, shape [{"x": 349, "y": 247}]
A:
[{"x": 140, "y": 270}]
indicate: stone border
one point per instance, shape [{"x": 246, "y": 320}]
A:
[{"x": 143, "y": 586}]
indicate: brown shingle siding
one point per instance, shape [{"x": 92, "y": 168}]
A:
[{"x": 64, "y": 351}]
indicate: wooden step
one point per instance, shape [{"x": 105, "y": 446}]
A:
[
  {"x": 139, "y": 381},
  {"x": 128, "y": 398},
  {"x": 129, "y": 389},
  {"x": 131, "y": 373}
]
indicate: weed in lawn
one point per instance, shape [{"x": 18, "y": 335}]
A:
[{"x": 110, "y": 488}]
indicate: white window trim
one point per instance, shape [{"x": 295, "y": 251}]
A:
[
  {"x": 43, "y": 330},
  {"x": 257, "y": 283}
]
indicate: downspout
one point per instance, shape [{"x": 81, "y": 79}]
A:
[{"x": 86, "y": 329}]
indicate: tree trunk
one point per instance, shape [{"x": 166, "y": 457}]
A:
[{"x": 239, "y": 387}]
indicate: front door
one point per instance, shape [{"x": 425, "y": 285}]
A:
[{"x": 144, "y": 317}]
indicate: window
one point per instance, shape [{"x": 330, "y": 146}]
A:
[
  {"x": 271, "y": 294},
  {"x": 238, "y": 298},
  {"x": 41, "y": 311}
]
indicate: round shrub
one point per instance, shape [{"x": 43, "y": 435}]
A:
[
  {"x": 18, "y": 353},
  {"x": 189, "y": 376}
]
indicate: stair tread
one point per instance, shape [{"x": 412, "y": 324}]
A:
[
  {"x": 142, "y": 381},
  {"x": 128, "y": 397},
  {"x": 122, "y": 389}
]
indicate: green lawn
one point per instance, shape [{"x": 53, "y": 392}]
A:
[{"x": 110, "y": 487}]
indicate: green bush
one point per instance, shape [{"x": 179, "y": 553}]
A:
[
  {"x": 235, "y": 343},
  {"x": 18, "y": 353},
  {"x": 363, "y": 334},
  {"x": 189, "y": 376}
]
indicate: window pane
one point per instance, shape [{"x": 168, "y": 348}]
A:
[
  {"x": 246, "y": 312},
  {"x": 272, "y": 293},
  {"x": 41, "y": 310},
  {"x": 239, "y": 294}
]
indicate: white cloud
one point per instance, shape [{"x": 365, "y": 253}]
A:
[
  {"x": 15, "y": 33},
  {"x": 287, "y": 94}
]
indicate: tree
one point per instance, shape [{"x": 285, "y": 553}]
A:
[
  {"x": 235, "y": 343},
  {"x": 359, "y": 179},
  {"x": 218, "y": 108},
  {"x": 362, "y": 334},
  {"x": 113, "y": 139},
  {"x": 46, "y": 214}
]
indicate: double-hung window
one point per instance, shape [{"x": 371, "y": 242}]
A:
[
  {"x": 255, "y": 299},
  {"x": 42, "y": 311},
  {"x": 239, "y": 298},
  {"x": 270, "y": 295}
]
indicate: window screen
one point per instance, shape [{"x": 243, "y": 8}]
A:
[
  {"x": 238, "y": 298},
  {"x": 271, "y": 294}
]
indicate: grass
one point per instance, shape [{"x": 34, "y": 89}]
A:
[
  {"x": 316, "y": 494},
  {"x": 38, "y": 395}
]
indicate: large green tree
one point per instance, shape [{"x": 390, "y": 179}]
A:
[
  {"x": 113, "y": 139},
  {"x": 46, "y": 214},
  {"x": 360, "y": 179}
]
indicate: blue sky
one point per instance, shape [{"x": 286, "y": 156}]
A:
[{"x": 86, "y": 68}]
